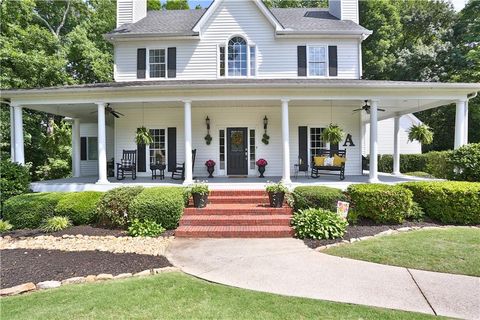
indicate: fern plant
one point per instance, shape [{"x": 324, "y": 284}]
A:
[
  {"x": 421, "y": 133},
  {"x": 143, "y": 136},
  {"x": 333, "y": 134}
]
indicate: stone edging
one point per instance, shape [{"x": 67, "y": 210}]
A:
[
  {"x": 385, "y": 233},
  {"x": 30, "y": 286}
]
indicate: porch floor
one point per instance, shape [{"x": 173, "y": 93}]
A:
[{"x": 217, "y": 183}]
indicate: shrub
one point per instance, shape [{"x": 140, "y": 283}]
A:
[
  {"x": 79, "y": 207},
  {"x": 438, "y": 164},
  {"x": 5, "y": 226},
  {"x": 54, "y": 169},
  {"x": 163, "y": 205},
  {"x": 14, "y": 180},
  {"x": 381, "y": 203},
  {"x": 145, "y": 229},
  {"x": 448, "y": 201},
  {"x": 317, "y": 197},
  {"x": 408, "y": 163},
  {"x": 466, "y": 161},
  {"x": 56, "y": 223},
  {"x": 113, "y": 209},
  {"x": 318, "y": 224},
  {"x": 29, "y": 210}
]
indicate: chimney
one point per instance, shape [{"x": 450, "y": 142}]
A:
[
  {"x": 130, "y": 11},
  {"x": 344, "y": 9}
]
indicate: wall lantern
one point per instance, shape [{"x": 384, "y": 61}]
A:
[
  {"x": 265, "y": 123},
  {"x": 208, "y": 137},
  {"x": 266, "y": 137},
  {"x": 207, "y": 121}
]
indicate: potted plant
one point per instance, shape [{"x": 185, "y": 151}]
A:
[
  {"x": 200, "y": 194},
  {"x": 333, "y": 134},
  {"x": 421, "y": 133},
  {"x": 210, "y": 167},
  {"x": 143, "y": 136},
  {"x": 261, "y": 163},
  {"x": 276, "y": 194}
]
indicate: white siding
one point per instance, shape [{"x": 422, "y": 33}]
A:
[
  {"x": 129, "y": 11},
  {"x": 197, "y": 59},
  {"x": 238, "y": 116},
  {"x": 90, "y": 167},
  {"x": 350, "y": 10},
  {"x": 385, "y": 137}
]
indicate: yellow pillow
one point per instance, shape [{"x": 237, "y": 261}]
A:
[
  {"x": 338, "y": 161},
  {"x": 319, "y": 161}
]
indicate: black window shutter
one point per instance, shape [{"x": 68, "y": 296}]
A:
[
  {"x": 172, "y": 62},
  {"x": 141, "y": 158},
  {"x": 141, "y": 63},
  {"x": 332, "y": 61},
  {"x": 302, "y": 61},
  {"x": 172, "y": 148},
  {"x": 303, "y": 147},
  {"x": 83, "y": 148}
]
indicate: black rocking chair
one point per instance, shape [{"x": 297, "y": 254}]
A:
[
  {"x": 179, "y": 172},
  {"x": 127, "y": 164}
]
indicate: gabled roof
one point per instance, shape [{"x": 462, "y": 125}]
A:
[{"x": 167, "y": 23}]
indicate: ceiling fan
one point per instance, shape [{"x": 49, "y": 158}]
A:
[
  {"x": 366, "y": 108},
  {"x": 110, "y": 110}
]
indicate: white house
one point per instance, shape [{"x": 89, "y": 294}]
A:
[{"x": 251, "y": 70}]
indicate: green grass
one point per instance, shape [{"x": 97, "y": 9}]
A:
[
  {"x": 420, "y": 174},
  {"x": 178, "y": 296},
  {"x": 450, "y": 250}
]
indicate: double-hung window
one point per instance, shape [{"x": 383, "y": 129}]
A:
[
  {"x": 317, "y": 61},
  {"x": 157, "y": 147},
  {"x": 157, "y": 63}
]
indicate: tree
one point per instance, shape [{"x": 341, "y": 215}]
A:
[
  {"x": 154, "y": 5},
  {"x": 176, "y": 5}
]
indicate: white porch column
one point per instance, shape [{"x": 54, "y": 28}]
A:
[
  {"x": 102, "y": 143},
  {"x": 76, "y": 147},
  {"x": 12, "y": 134},
  {"x": 18, "y": 135},
  {"x": 460, "y": 123},
  {"x": 465, "y": 137},
  {"x": 187, "y": 115},
  {"x": 373, "y": 174},
  {"x": 396, "y": 146},
  {"x": 285, "y": 143}
]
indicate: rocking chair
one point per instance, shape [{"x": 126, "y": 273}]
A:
[
  {"x": 179, "y": 172},
  {"x": 127, "y": 164}
]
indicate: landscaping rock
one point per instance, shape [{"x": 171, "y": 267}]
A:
[
  {"x": 48, "y": 284},
  {"x": 29, "y": 286},
  {"x": 385, "y": 233},
  {"x": 103, "y": 276},
  {"x": 143, "y": 273},
  {"x": 404, "y": 229},
  {"x": 365, "y": 238},
  {"x": 74, "y": 280},
  {"x": 90, "y": 278},
  {"x": 165, "y": 270},
  {"x": 123, "y": 276}
]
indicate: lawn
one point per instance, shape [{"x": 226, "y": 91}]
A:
[
  {"x": 450, "y": 250},
  {"x": 178, "y": 296}
]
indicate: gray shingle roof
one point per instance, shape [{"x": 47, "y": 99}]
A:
[{"x": 181, "y": 22}]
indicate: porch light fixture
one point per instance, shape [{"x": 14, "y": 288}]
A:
[
  {"x": 208, "y": 137},
  {"x": 207, "y": 121},
  {"x": 265, "y": 123}
]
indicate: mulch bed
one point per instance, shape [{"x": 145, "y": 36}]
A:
[
  {"x": 24, "y": 265},
  {"x": 368, "y": 228},
  {"x": 76, "y": 230}
]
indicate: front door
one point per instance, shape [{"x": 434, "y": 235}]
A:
[{"x": 237, "y": 151}]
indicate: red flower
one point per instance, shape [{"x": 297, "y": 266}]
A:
[
  {"x": 210, "y": 163},
  {"x": 262, "y": 162}
]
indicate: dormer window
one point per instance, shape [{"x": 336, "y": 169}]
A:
[{"x": 237, "y": 58}]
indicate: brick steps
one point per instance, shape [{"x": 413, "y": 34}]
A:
[
  {"x": 236, "y": 214},
  {"x": 234, "y": 231}
]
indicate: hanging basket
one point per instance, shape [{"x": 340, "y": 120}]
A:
[
  {"x": 143, "y": 136},
  {"x": 333, "y": 134},
  {"x": 421, "y": 133}
]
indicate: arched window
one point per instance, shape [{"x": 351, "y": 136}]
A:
[{"x": 237, "y": 57}]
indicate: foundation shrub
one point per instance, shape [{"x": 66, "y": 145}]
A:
[
  {"x": 113, "y": 209},
  {"x": 79, "y": 207},
  {"x": 163, "y": 205},
  {"x": 452, "y": 202},
  {"x": 14, "y": 179},
  {"x": 381, "y": 203},
  {"x": 29, "y": 210},
  {"x": 318, "y": 224},
  {"x": 318, "y": 197},
  {"x": 466, "y": 161}
]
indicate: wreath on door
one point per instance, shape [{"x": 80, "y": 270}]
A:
[{"x": 237, "y": 138}]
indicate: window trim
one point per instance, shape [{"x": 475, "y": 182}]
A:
[
  {"x": 249, "y": 45},
  {"x": 326, "y": 61},
  {"x": 309, "y": 141},
  {"x": 165, "y": 130},
  {"x": 147, "y": 75}
]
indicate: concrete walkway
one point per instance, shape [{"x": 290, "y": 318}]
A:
[{"x": 288, "y": 267}]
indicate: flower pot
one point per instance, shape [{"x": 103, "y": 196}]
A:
[
  {"x": 262, "y": 171},
  {"x": 276, "y": 199},
  {"x": 210, "y": 171},
  {"x": 200, "y": 200}
]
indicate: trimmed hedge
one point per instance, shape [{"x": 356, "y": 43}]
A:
[
  {"x": 29, "y": 210},
  {"x": 14, "y": 180},
  {"x": 113, "y": 209},
  {"x": 381, "y": 203},
  {"x": 317, "y": 197},
  {"x": 163, "y": 205},
  {"x": 79, "y": 207},
  {"x": 452, "y": 202},
  {"x": 466, "y": 161}
]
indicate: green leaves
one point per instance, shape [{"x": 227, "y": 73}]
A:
[
  {"x": 333, "y": 133},
  {"x": 421, "y": 133},
  {"x": 318, "y": 224},
  {"x": 145, "y": 228}
]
